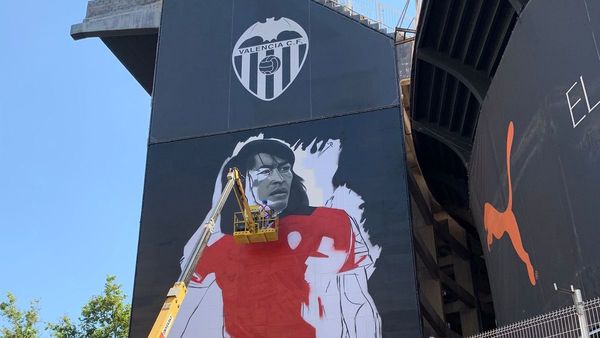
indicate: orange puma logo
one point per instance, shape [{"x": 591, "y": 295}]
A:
[{"x": 497, "y": 223}]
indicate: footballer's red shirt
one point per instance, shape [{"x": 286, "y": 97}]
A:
[{"x": 263, "y": 284}]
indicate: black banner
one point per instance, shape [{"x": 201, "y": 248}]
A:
[
  {"x": 353, "y": 270},
  {"x": 228, "y": 65},
  {"x": 533, "y": 175},
  {"x": 304, "y": 101}
]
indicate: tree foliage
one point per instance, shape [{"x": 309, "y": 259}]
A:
[
  {"x": 63, "y": 329},
  {"x": 103, "y": 316},
  {"x": 22, "y": 324}
]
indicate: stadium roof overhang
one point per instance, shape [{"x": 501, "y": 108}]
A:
[
  {"x": 458, "y": 48},
  {"x": 129, "y": 28}
]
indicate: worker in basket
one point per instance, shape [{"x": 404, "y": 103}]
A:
[{"x": 265, "y": 213}]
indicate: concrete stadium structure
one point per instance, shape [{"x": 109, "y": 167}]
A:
[{"x": 455, "y": 82}]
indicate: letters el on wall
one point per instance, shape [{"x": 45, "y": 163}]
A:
[{"x": 535, "y": 161}]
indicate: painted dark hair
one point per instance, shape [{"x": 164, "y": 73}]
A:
[{"x": 244, "y": 161}]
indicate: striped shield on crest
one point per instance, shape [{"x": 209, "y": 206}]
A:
[{"x": 269, "y": 55}]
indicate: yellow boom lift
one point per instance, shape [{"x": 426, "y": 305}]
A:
[{"x": 253, "y": 224}]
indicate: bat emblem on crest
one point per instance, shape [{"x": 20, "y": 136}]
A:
[{"x": 269, "y": 55}]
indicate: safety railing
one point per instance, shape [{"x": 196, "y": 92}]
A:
[
  {"x": 561, "y": 323},
  {"x": 380, "y": 14}
]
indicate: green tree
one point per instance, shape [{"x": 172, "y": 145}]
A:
[
  {"x": 104, "y": 316},
  {"x": 21, "y": 324},
  {"x": 63, "y": 329}
]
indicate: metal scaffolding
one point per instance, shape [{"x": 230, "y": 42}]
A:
[{"x": 383, "y": 14}]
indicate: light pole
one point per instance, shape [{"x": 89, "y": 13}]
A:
[{"x": 579, "y": 308}]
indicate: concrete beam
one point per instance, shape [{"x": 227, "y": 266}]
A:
[
  {"x": 477, "y": 81},
  {"x": 109, "y": 18},
  {"x": 517, "y": 5}
]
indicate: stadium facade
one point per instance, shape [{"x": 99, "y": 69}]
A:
[{"x": 448, "y": 178}]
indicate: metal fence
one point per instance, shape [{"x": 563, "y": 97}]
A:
[
  {"x": 386, "y": 15},
  {"x": 560, "y": 323}
]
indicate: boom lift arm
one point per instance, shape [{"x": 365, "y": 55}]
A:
[
  {"x": 256, "y": 227},
  {"x": 168, "y": 313}
]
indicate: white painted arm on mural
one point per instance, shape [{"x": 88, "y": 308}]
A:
[
  {"x": 359, "y": 314},
  {"x": 202, "y": 308},
  {"x": 189, "y": 247},
  {"x": 201, "y": 313}
]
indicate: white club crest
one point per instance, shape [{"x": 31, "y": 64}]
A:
[{"x": 269, "y": 55}]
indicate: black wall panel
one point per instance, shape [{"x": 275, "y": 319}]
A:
[
  {"x": 349, "y": 68},
  {"x": 542, "y": 104},
  {"x": 180, "y": 180},
  {"x": 335, "y": 108}
]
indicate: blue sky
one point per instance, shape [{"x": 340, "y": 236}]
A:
[{"x": 73, "y": 132}]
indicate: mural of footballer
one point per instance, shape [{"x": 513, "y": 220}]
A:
[{"x": 312, "y": 282}]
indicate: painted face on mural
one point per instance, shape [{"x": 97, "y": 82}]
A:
[
  {"x": 271, "y": 179},
  {"x": 319, "y": 245}
]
